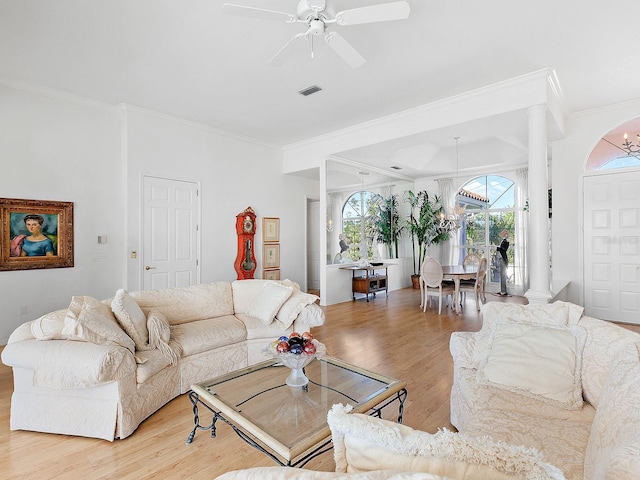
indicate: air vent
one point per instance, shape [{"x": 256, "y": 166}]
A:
[
  {"x": 309, "y": 90},
  {"x": 395, "y": 167}
]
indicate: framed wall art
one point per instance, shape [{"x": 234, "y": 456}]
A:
[
  {"x": 35, "y": 234},
  {"x": 271, "y": 255},
  {"x": 270, "y": 229},
  {"x": 272, "y": 274}
]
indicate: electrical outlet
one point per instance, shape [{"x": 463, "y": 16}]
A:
[{"x": 22, "y": 310}]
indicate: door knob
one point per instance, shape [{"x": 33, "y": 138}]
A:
[{"x": 149, "y": 268}]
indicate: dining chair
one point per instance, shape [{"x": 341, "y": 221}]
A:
[
  {"x": 478, "y": 286},
  {"x": 470, "y": 259},
  {"x": 431, "y": 284}
]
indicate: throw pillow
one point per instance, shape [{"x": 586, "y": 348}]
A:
[
  {"x": 558, "y": 314},
  {"x": 268, "y": 302},
  {"x": 293, "y": 306},
  {"x": 49, "y": 326},
  {"x": 366, "y": 443},
  {"x": 542, "y": 362},
  {"x": 92, "y": 321},
  {"x": 160, "y": 336},
  {"x": 613, "y": 450},
  {"x": 131, "y": 318}
]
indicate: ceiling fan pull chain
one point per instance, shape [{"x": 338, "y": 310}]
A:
[{"x": 312, "y": 46}]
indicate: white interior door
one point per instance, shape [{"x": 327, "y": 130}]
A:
[
  {"x": 612, "y": 246},
  {"x": 170, "y": 233}
]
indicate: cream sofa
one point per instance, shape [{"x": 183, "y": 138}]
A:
[
  {"x": 546, "y": 377},
  {"x": 99, "y": 368}
]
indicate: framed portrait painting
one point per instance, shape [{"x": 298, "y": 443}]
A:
[
  {"x": 35, "y": 234},
  {"x": 270, "y": 229},
  {"x": 271, "y": 255}
]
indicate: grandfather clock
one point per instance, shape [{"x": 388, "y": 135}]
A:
[{"x": 245, "y": 263}]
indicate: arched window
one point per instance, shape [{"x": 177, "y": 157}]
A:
[
  {"x": 490, "y": 209},
  {"x": 619, "y": 148},
  {"x": 357, "y": 225}
]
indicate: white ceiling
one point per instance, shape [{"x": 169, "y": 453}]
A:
[{"x": 186, "y": 58}]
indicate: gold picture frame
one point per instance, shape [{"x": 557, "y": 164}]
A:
[
  {"x": 271, "y": 274},
  {"x": 35, "y": 234},
  {"x": 271, "y": 255},
  {"x": 270, "y": 229}
]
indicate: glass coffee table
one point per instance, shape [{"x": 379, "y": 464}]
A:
[{"x": 289, "y": 424}]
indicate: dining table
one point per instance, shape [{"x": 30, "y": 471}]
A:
[{"x": 457, "y": 273}]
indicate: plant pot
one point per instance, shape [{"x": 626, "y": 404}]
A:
[{"x": 415, "y": 281}]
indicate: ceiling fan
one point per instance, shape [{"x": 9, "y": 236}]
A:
[{"x": 319, "y": 18}]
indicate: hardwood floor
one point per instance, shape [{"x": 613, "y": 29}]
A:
[{"x": 390, "y": 335}]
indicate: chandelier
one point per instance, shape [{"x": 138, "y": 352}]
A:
[
  {"x": 630, "y": 148},
  {"x": 453, "y": 220}
]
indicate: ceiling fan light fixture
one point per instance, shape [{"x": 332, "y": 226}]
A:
[{"x": 309, "y": 90}]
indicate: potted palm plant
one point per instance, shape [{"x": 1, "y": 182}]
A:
[
  {"x": 423, "y": 222},
  {"x": 387, "y": 225}
]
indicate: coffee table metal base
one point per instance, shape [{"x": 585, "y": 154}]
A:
[{"x": 324, "y": 447}]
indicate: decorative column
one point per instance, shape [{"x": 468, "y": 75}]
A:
[{"x": 539, "y": 260}]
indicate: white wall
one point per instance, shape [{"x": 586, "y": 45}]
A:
[
  {"x": 584, "y": 130},
  {"x": 53, "y": 149},
  {"x": 234, "y": 173}
]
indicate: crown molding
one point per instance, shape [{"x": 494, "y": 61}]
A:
[{"x": 546, "y": 75}]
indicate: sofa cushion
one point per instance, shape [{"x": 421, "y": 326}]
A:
[
  {"x": 49, "y": 326},
  {"x": 614, "y": 445},
  {"x": 271, "y": 297},
  {"x": 152, "y": 361},
  {"x": 294, "y": 305},
  {"x": 131, "y": 318},
  {"x": 366, "y": 443},
  {"x": 205, "y": 335},
  {"x": 543, "y": 362},
  {"x": 561, "y": 435},
  {"x": 90, "y": 320},
  {"x": 188, "y": 304}
]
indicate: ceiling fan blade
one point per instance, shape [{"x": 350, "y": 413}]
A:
[
  {"x": 288, "y": 49},
  {"x": 343, "y": 48},
  {"x": 254, "y": 12},
  {"x": 374, "y": 13},
  {"x": 318, "y": 5}
]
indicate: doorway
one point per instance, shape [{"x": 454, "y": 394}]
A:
[
  {"x": 612, "y": 246},
  {"x": 313, "y": 246},
  {"x": 170, "y": 233}
]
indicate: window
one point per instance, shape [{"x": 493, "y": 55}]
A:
[
  {"x": 621, "y": 162},
  {"x": 357, "y": 225},
  {"x": 490, "y": 209}
]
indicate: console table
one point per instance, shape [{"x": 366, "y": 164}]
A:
[{"x": 369, "y": 281}]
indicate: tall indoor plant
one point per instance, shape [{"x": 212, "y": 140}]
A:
[
  {"x": 423, "y": 222},
  {"x": 387, "y": 224}
]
